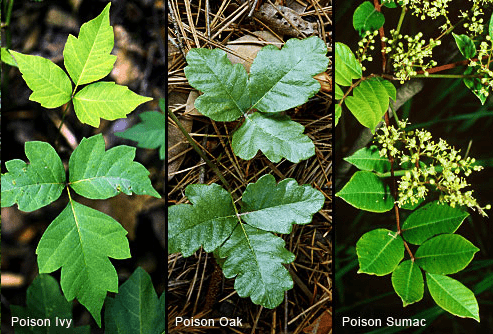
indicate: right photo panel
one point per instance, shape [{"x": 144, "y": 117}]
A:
[{"x": 413, "y": 166}]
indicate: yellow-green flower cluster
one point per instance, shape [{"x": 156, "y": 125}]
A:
[
  {"x": 429, "y": 164},
  {"x": 432, "y": 9},
  {"x": 364, "y": 45},
  {"x": 482, "y": 65},
  {"x": 409, "y": 53}
]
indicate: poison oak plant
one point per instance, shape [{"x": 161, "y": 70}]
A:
[
  {"x": 278, "y": 80},
  {"x": 408, "y": 169},
  {"x": 81, "y": 240}
]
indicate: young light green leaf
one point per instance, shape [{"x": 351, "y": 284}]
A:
[
  {"x": 105, "y": 100},
  {"x": 33, "y": 185},
  {"x": 379, "y": 252},
  {"x": 224, "y": 85},
  {"x": 445, "y": 254},
  {"x": 367, "y": 18},
  {"x": 136, "y": 308},
  {"x": 151, "y": 133},
  {"x": 45, "y": 301},
  {"x": 275, "y": 208},
  {"x": 452, "y": 296},
  {"x": 338, "y": 113},
  {"x": 432, "y": 219},
  {"x": 370, "y": 100},
  {"x": 368, "y": 158},
  {"x": 207, "y": 222},
  {"x": 7, "y": 58},
  {"x": 283, "y": 79},
  {"x": 80, "y": 241},
  {"x": 88, "y": 58},
  {"x": 96, "y": 174},
  {"x": 338, "y": 93},
  {"x": 275, "y": 135},
  {"x": 50, "y": 84},
  {"x": 490, "y": 26},
  {"x": 255, "y": 258},
  {"x": 347, "y": 67},
  {"x": 408, "y": 283},
  {"x": 368, "y": 192},
  {"x": 466, "y": 45}
]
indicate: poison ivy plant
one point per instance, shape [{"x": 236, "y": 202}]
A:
[
  {"x": 80, "y": 240},
  {"x": 279, "y": 80},
  {"x": 45, "y": 301},
  {"x": 405, "y": 169},
  {"x": 151, "y": 133},
  {"x": 242, "y": 238},
  {"x": 87, "y": 59}
]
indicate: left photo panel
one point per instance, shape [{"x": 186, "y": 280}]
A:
[{"x": 83, "y": 219}]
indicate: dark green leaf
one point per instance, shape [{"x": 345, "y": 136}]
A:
[
  {"x": 474, "y": 85},
  {"x": 379, "y": 252},
  {"x": 466, "y": 45},
  {"x": 408, "y": 283},
  {"x": 367, "y": 18}
]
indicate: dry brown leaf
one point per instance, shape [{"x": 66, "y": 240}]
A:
[{"x": 322, "y": 325}]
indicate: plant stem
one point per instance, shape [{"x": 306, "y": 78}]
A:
[
  {"x": 199, "y": 151},
  {"x": 445, "y": 76}
]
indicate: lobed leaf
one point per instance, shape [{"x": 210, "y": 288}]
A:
[
  {"x": 87, "y": 58},
  {"x": 96, "y": 174},
  {"x": 369, "y": 159},
  {"x": 367, "y": 18},
  {"x": 105, "y": 100},
  {"x": 366, "y": 191},
  {"x": 275, "y": 135},
  {"x": 255, "y": 258},
  {"x": 445, "y": 254},
  {"x": 224, "y": 85},
  {"x": 379, "y": 252},
  {"x": 370, "y": 100},
  {"x": 33, "y": 185},
  {"x": 45, "y": 301},
  {"x": 151, "y": 133},
  {"x": 347, "y": 67},
  {"x": 275, "y": 208},
  {"x": 136, "y": 308},
  {"x": 432, "y": 219},
  {"x": 283, "y": 79},
  {"x": 207, "y": 222},
  {"x": 452, "y": 296},
  {"x": 50, "y": 84},
  {"x": 408, "y": 283},
  {"x": 80, "y": 241}
]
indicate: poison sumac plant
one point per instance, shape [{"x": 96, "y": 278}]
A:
[
  {"x": 242, "y": 239},
  {"x": 278, "y": 80},
  {"x": 407, "y": 169},
  {"x": 81, "y": 240}
]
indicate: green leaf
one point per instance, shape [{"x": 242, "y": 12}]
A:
[
  {"x": 408, "y": 283},
  {"x": 283, "y": 79},
  {"x": 97, "y": 174},
  {"x": 474, "y": 85},
  {"x": 368, "y": 158},
  {"x": 370, "y": 100},
  {"x": 490, "y": 27},
  {"x": 432, "y": 219},
  {"x": 80, "y": 240},
  {"x": 466, "y": 45},
  {"x": 255, "y": 258},
  {"x": 379, "y": 252},
  {"x": 389, "y": 3},
  {"x": 87, "y": 58},
  {"x": 275, "y": 135},
  {"x": 105, "y": 100},
  {"x": 50, "y": 84},
  {"x": 367, "y": 18},
  {"x": 347, "y": 67},
  {"x": 207, "y": 222},
  {"x": 338, "y": 93},
  {"x": 366, "y": 191},
  {"x": 33, "y": 185},
  {"x": 338, "y": 113},
  {"x": 224, "y": 85},
  {"x": 7, "y": 58},
  {"x": 452, "y": 296},
  {"x": 45, "y": 301},
  {"x": 275, "y": 208},
  {"x": 151, "y": 133},
  {"x": 136, "y": 308},
  {"x": 445, "y": 254}
]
